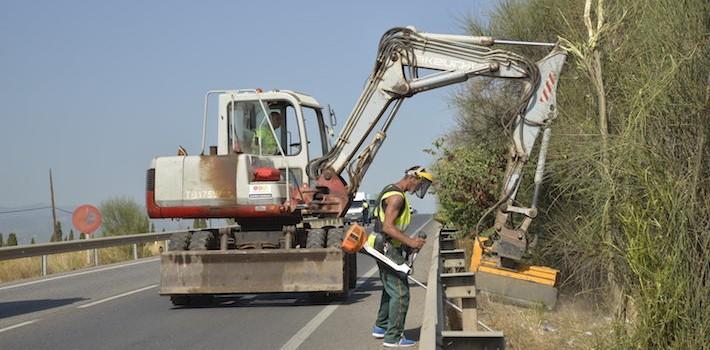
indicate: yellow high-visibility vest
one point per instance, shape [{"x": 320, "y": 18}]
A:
[
  {"x": 268, "y": 141},
  {"x": 403, "y": 219}
]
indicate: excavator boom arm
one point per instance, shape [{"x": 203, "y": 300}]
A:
[{"x": 401, "y": 54}]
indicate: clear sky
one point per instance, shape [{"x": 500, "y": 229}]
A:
[{"x": 95, "y": 89}]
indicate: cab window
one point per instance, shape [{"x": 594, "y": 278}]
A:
[
  {"x": 315, "y": 132},
  {"x": 253, "y": 132}
]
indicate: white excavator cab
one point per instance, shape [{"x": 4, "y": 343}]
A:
[
  {"x": 281, "y": 126},
  {"x": 264, "y": 143}
]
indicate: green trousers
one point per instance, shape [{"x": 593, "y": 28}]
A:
[{"x": 395, "y": 298}]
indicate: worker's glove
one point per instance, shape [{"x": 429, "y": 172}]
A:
[{"x": 410, "y": 254}]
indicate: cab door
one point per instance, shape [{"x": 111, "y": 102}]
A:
[
  {"x": 316, "y": 134},
  {"x": 264, "y": 136}
]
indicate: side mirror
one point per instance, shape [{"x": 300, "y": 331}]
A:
[
  {"x": 333, "y": 119},
  {"x": 331, "y": 128}
]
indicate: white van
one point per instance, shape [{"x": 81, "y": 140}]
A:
[{"x": 356, "y": 212}]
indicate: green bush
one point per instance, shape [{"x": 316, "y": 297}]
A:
[
  {"x": 467, "y": 181},
  {"x": 122, "y": 215}
]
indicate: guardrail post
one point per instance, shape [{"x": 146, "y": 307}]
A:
[
  {"x": 454, "y": 260},
  {"x": 460, "y": 288},
  {"x": 96, "y": 257},
  {"x": 458, "y": 285},
  {"x": 135, "y": 251},
  {"x": 44, "y": 265}
]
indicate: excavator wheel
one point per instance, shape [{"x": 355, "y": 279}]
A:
[
  {"x": 179, "y": 241},
  {"x": 201, "y": 300},
  {"x": 335, "y": 237},
  {"x": 192, "y": 300},
  {"x": 180, "y": 300},
  {"x": 316, "y": 238},
  {"x": 351, "y": 265},
  {"x": 327, "y": 297}
]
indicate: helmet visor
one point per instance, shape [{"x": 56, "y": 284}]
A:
[{"x": 423, "y": 188}]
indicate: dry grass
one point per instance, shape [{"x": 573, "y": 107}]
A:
[
  {"x": 17, "y": 269},
  {"x": 575, "y": 323}
]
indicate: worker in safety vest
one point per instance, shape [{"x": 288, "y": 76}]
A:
[
  {"x": 392, "y": 216},
  {"x": 365, "y": 212},
  {"x": 264, "y": 138}
]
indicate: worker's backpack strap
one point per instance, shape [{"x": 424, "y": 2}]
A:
[
  {"x": 383, "y": 206},
  {"x": 376, "y": 240}
]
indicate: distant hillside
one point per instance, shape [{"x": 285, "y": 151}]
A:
[{"x": 32, "y": 223}]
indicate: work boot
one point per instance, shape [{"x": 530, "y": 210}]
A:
[
  {"x": 378, "y": 332},
  {"x": 402, "y": 343}
]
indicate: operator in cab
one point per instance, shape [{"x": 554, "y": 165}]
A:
[
  {"x": 263, "y": 137},
  {"x": 392, "y": 217}
]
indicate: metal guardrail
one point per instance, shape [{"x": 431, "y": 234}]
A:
[
  {"x": 430, "y": 334},
  {"x": 44, "y": 249},
  {"x": 26, "y": 251},
  {"x": 450, "y": 317}
]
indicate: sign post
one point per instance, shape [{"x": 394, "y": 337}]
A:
[{"x": 87, "y": 219}]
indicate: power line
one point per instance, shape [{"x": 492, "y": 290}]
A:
[
  {"x": 22, "y": 210},
  {"x": 32, "y": 209}
]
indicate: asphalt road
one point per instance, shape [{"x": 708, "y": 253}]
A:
[{"x": 118, "y": 307}]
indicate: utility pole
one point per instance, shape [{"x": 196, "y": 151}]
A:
[{"x": 54, "y": 208}]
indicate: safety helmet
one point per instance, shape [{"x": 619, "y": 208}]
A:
[{"x": 426, "y": 179}]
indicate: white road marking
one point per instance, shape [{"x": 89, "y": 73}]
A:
[
  {"x": 77, "y": 274},
  {"x": 314, "y": 323},
  {"x": 116, "y": 296},
  {"x": 18, "y": 325},
  {"x": 421, "y": 227}
]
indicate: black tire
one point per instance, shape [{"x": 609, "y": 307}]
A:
[
  {"x": 192, "y": 300},
  {"x": 179, "y": 241},
  {"x": 201, "y": 240},
  {"x": 316, "y": 238},
  {"x": 180, "y": 300},
  {"x": 352, "y": 270},
  {"x": 327, "y": 297},
  {"x": 335, "y": 297},
  {"x": 201, "y": 300},
  {"x": 335, "y": 237}
]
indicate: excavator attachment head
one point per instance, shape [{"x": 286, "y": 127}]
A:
[{"x": 524, "y": 285}]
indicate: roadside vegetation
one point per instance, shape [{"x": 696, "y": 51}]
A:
[
  {"x": 625, "y": 213},
  {"x": 120, "y": 216},
  {"x": 16, "y": 269}
]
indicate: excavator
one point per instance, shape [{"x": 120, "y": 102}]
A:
[{"x": 276, "y": 173}]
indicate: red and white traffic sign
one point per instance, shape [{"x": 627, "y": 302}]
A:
[{"x": 86, "y": 219}]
